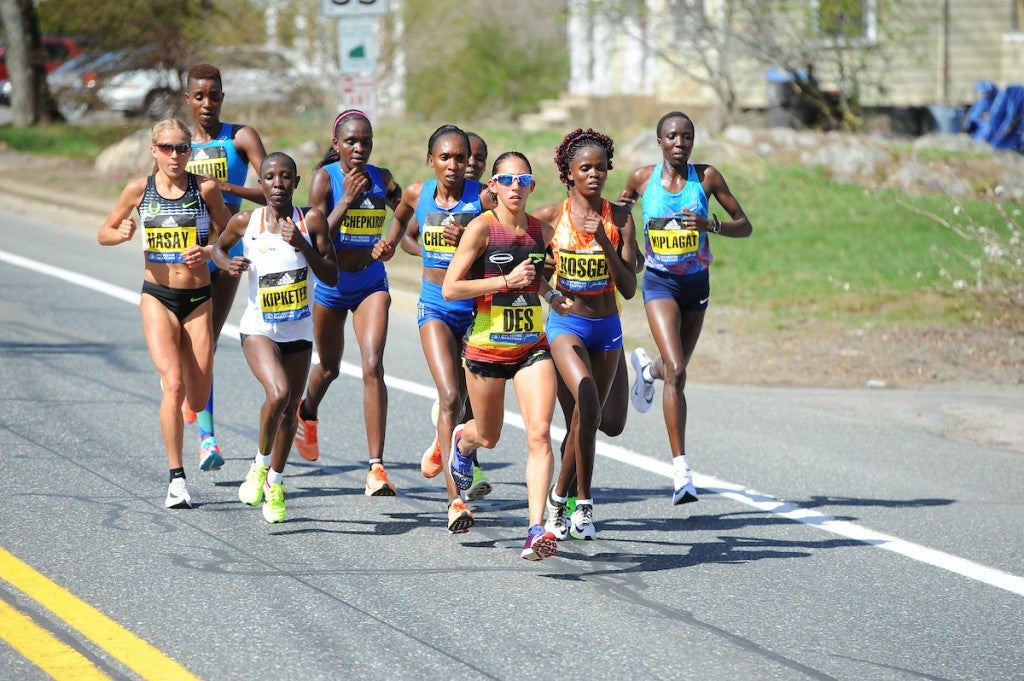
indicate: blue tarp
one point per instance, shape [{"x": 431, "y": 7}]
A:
[{"x": 998, "y": 116}]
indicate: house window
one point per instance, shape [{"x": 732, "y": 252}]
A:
[{"x": 846, "y": 22}]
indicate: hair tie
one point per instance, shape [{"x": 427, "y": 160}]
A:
[{"x": 346, "y": 114}]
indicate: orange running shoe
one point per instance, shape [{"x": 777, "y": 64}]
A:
[
  {"x": 187, "y": 413},
  {"x": 377, "y": 483},
  {"x": 459, "y": 517},
  {"x": 306, "y": 442},
  {"x": 430, "y": 464}
]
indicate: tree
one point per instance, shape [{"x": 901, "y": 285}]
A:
[{"x": 30, "y": 98}]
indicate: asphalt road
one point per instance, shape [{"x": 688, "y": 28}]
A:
[{"x": 840, "y": 534}]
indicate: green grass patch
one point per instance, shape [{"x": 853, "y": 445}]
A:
[{"x": 77, "y": 142}]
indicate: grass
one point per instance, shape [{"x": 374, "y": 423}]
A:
[{"x": 820, "y": 249}]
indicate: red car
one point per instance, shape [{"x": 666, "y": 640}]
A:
[{"x": 58, "y": 50}]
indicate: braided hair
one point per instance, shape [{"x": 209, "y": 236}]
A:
[
  {"x": 331, "y": 155},
  {"x": 444, "y": 131},
  {"x": 576, "y": 140}
]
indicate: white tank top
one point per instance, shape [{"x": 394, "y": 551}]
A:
[{"x": 279, "y": 304}]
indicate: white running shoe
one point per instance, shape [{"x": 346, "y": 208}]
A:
[
  {"x": 642, "y": 393},
  {"x": 177, "y": 494},
  {"x": 555, "y": 523},
  {"x": 685, "y": 492},
  {"x": 581, "y": 524}
]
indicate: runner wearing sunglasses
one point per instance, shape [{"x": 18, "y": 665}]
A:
[
  {"x": 223, "y": 151},
  {"x": 498, "y": 265},
  {"x": 181, "y": 214},
  {"x": 354, "y": 196},
  {"x": 432, "y": 214},
  {"x": 676, "y": 287},
  {"x": 594, "y": 250}
]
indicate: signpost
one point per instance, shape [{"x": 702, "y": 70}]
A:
[{"x": 357, "y": 50}]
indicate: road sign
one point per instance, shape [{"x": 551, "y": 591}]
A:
[
  {"x": 357, "y": 45},
  {"x": 353, "y": 8},
  {"x": 360, "y": 92}
]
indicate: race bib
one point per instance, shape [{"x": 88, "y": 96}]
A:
[
  {"x": 516, "y": 318},
  {"x": 363, "y": 224},
  {"x": 432, "y": 234},
  {"x": 582, "y": 271},
  {"x": 284, "y": 296},
  {"x": 167, "y": 244},
  {"x": 671, "y": 243},
  {"x": 212, "y": 161}
]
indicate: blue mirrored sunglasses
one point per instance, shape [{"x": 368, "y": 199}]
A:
[{"x": 506, "y": 180}]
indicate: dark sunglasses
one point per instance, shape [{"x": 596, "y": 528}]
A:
[
  {"x": 506, "y": 180},
  {"x": 168, "y": 148}
]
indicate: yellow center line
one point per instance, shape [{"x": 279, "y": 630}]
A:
[
  {"x": 43, "y": 649},
  {"x": 127, "y": 648}
]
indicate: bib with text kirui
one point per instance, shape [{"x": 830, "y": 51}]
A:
[
  {"x": 515, "y": 318},
  {"x": 212, "y": 161},
  {"x": 168, "y": 241},
  {"x": 670, "y": 242},
  {"x": 284, "y": 296},
  {"x": 432, "y": 234},
  {"x": 363, "y": 224},
  {"x": 582, "y": 271}
]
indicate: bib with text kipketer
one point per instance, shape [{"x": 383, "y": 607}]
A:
[
  {"x": 516, "y": 318},
  {"x": 432, "y": 235},
  {"x": 166, "y": 240},
  {"x": 582, "y": 271},
  {"x": 671, "y": 243},
  {"x": 363, "y": 224},
  {"x": 212, "y": 161},
  {"x": 284, "y": 296}
]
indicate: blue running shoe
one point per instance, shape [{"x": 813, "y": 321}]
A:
[
  {"x": 210, "y": 458},
  {"x": 460, "y": 465},
  {"x": 540, "y": 544}
]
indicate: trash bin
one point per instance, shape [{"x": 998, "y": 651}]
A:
[{"x": 947, "y": 119}]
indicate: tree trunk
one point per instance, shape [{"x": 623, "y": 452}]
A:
[{"x": 30, "y": 97}]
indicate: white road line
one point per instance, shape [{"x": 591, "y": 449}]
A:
[{"x": 738, "y": 493}]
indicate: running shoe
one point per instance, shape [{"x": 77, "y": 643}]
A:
[
  {"x": 480, "y": 487},
  {"x": 642, "y": 393},
  {"x": 540, "y": 544},
  {"x": 210, "y": 458},
  {"x": 306, "y": 443},
  {"x": 685, "y": 492},
  {"x": 251, "y": 490},
  {"x": 431, "y": 464},
  {"x": 581, "y": 523},
  {"x": 187, "y": 413},
  {"x": 555, "y": 523},
  {"x": 177, "y": 494},
  {"x": 377, "y": 483},
  {"x": 460, "y": 465},
  {"x": 459, "y": 517},
  {"x": 273, "y": 507}
]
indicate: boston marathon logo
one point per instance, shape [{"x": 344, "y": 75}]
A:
[{"x": 284, "y": 296}]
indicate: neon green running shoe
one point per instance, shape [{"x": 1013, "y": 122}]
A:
[
  {"x": 480, "y": 487},
  {"x": 251, "y": 491},
  {"x": 273, "y": 507}
]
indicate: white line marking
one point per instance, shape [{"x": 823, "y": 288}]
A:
[{"x": 738, "y": 493}]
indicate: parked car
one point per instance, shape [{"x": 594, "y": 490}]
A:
[
  {"x": 136, "y": 82},
  {"x": 139, "y": 82},
  {"x": 58, "y": 48}
]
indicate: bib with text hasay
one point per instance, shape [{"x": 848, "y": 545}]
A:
[{"x": 172, "y": 226}]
